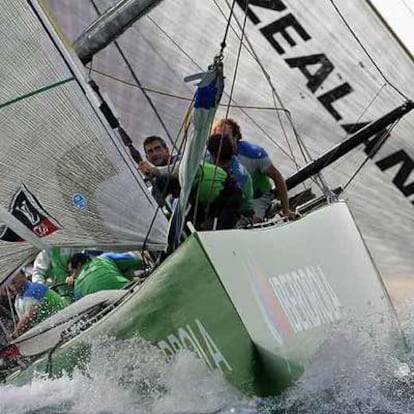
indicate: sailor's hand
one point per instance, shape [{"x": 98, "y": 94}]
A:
[
  {"x": 70, "y": 280},
  {"x": 146, "y": 258},
  {"x": 148, "y": 169},
  {"x": 289, "y": 214},
  {"x": 256, "y": 219}
]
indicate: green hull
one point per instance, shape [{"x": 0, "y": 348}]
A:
[{"x": 229, "y": 298}]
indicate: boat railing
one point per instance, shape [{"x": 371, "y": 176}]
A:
[{"x": 302, "y": 209}]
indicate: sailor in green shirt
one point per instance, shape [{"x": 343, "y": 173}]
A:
[
  {"x": 104, "y": 272},
  {"x": 52, "y": 267}
]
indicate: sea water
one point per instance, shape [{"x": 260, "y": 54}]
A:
[{"x": 356, "y": 371}]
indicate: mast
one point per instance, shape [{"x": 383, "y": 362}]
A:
[
  {"x": 352, "y": 142},
  {"x": 110, "y": 25}
]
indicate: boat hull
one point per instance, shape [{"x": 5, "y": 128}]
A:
[{"x": 255, "y": 305}]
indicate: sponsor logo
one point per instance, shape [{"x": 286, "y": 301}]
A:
[
  {"x": 283, "y": 30},
  {"x": 27, "y": 209},
  {"x": 270, "y": 308},
  {"x": 198, "y": 341},
  {"x": 79, "y": 201},
  {"x": 306, "y": 298}
]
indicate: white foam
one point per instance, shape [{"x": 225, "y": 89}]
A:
[{"x": 125, "y": 377}]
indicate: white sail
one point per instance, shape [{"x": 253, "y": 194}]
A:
[
  {"x": 332, "y": 64},
  {"x": 64, "y": 174}
]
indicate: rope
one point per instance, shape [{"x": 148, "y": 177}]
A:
[
  {"x": 187, "y": 55},
  {"x": 226, "y": 32},
  {"x": 223, "y": 45},
  {"x": 305, "y": 153},
  {"x": 274, "y": 96},
  {"x": 148, "y": 98},
  {"x": 233, "y": 83}
]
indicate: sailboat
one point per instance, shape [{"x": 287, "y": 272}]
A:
[
  {"x": 254, "y": 304},
  {"x": 332, "y": 64}
]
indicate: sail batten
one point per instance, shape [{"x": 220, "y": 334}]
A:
[{"x": 45, "y": 88}]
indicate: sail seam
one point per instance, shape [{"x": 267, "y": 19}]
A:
[{"x": 36, "y": 92}]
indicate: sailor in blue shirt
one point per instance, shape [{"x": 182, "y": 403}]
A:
[{"x": 258, "y": 164}]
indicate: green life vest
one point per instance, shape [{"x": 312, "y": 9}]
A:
[
  {"x": 98, "y": 274},
  {"x": 212, "y": 182},
  {"x": 59, "y": 266}
]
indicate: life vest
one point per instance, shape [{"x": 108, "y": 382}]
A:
[
  {"x": 219, "y": 197},
  {"x": 98, "y": 274}
]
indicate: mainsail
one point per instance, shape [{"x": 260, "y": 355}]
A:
[
  {"x": 326, "y": 67},
  {"x": 64, "y": 174}
]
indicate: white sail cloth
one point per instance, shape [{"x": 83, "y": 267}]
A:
[
  {"x": 322, "y": 70},
  {"x": 64, "y": 174}
]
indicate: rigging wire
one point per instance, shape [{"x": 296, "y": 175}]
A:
[
  {"x": 236, "y": 68},
  {"x": 158, "y": 115},
  {"x": 274, "y": 97},
  {"x": 349, "y": 133},
  {"x": 133, "y": 74},
  {"x": 273, "y": 88},
  {"x": 250, "y": 49},
  {"x": 233, "y": 83},
  {"x": 173, "y": 41},
  {"x": 252, "y": 52},
  {"x": 241, "y": 107},
  {"x": 223, "y": 42},
  {"x": 305, "y": 153},
  {"x": 366, "y": 51},
  {"x": 175, "y": 96},
  {"x": 375, "y": 148},
  {"x": 364, "y": 111}
]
